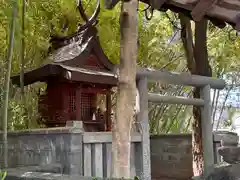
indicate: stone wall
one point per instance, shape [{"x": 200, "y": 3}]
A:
[
  {"x": 59, "y": 150},
  {"x": 171, "y": 156},
  {"x": 59, "y": 147},
  {"x": 29, "y": 173}
]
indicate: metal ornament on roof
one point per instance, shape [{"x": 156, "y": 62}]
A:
[
  {"x": 70, "y": 51},
  {"x": 76, "y": 43}
]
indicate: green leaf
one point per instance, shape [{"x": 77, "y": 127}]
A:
[{"x": 4, "y": 175}]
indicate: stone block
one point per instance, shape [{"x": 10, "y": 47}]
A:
[
  {"x": 217, "y": 174},
  {"x": 30, "y": 173},
  {"x": 230, "y": 154},
  {"x": 77, "y": 124},
  {"x": 226, "y": 138}
]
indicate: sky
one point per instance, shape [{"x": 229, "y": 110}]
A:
[{"x": 233, "y": 100}]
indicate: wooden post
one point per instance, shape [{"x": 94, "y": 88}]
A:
[
  {"x": 108, "y": 124},
  {"x": 143, "y": 119},
  {"x": 207, "y": 134}
]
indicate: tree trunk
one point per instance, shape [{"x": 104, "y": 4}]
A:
[
  {"x": 197, "y": 62},
  {"x": 202, "y": 68},
  {"x": 126, "y": 90},
  {"x": 187, "y": 39},
  {"x": 7, "y": 83}
]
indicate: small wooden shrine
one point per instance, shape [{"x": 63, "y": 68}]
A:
[{"x": 75, "y": 82}]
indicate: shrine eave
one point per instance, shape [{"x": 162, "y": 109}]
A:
[
  {"x": 218, "y": 10},
  {"x": 44, "y": 73}
]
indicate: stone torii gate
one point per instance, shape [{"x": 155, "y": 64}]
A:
[{"x": 205, "y": 83}]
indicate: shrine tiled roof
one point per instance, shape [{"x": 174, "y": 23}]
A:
[{"x": 78, "y": 57}]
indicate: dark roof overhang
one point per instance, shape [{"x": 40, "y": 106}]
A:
[{"x": 43, "y": 73}]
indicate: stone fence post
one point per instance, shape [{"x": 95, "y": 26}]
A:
[{"x": 75, "y": 150}]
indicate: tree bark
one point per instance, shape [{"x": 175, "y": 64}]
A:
[
  {"x": 197, "y": 62},
  {"x": 126, "y": 90},
  {"x": 187, "y": 39},
  {"x": 202, "y": 68}
]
